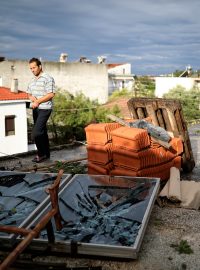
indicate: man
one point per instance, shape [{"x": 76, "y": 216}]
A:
[{"x": 41, "y": 91}]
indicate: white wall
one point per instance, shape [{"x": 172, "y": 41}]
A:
[
  {"x": 17, "y": 143},
  {"x": 90, "y": 79},
  {"x": 120, "y": 77},
  {"x": 120, "y": 69},
  {"x": 164, "y": 84},
  {"x": 117, "y": 84}
]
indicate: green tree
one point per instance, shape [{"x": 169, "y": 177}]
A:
[
  {"x": 190, "y": 100},
  {"x": 72, "y": 113},
  {"x": 144, "y": 87},
  {"x": 177, "y": 72}
]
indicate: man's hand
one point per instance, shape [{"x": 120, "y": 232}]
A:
[{"x": 35, "y": 104}]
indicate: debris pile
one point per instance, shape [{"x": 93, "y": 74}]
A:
[
  {"x": 168, "y": 114},
  {"x": 120, "y": 150},
  {"x": 101, "y": 212}
]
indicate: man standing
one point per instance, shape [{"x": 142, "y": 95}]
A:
[{"x": 41, "y": 91}]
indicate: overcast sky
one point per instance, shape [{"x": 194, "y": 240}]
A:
[{"x": 155, "y": 36}]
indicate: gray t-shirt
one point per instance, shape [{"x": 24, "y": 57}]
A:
[{"x": 39, "y": 87}]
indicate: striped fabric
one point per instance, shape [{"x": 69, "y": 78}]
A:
[{"x": 39, "y": 87}]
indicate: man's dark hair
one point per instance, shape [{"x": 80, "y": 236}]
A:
[{"x": 35, "y": 60}]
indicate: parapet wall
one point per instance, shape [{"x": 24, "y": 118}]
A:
[{"x": 90, "y": 79}]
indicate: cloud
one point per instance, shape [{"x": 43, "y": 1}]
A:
[{"x": 154, "y": 36}]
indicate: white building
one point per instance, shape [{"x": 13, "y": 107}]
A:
[
  {"x": 119, "y": 77},
  {"x": 165, "y": 84},
  {"x": 95, "y": 81},
  {"x": 13, "y": 119}
]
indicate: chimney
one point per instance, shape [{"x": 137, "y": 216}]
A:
[
  {"x": 14, "y": 86},
  {"x": 101, "y": 59},
  {"x": 63, "y": 57},
  {"x": 84, "y": 59}
]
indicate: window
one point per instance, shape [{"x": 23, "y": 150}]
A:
[{"x": 10, "y": 125}]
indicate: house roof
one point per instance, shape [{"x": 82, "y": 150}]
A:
[
  {"x": 113, "y": 65},
  {"x": 122, "y": 104},
  {"x": 6, "y": 94}
]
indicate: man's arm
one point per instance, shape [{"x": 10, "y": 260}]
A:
[
  {"x": 32, "y": 98},
  {"x": 36, "y": 102}
]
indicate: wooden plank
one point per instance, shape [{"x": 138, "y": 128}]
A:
[
  {"x": 184, "y": 125},
  {"x": 140, "y": 113},
  {"x": 151, "y": 112},
  {"x": 178, "y": 120},
  {"x": 166, "y": 119},
  {"x": 118, "y": 120},
  {"x": 172, "y": 120},
  {"x": 132, "y": 109},
  {"x": 160, "y": 118}
]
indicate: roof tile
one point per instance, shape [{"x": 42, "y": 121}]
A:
[
  {"x": 6, "y": 94},
  {"x": 114, "y": 65}
]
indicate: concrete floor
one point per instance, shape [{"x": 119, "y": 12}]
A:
[
  {"x": 166, "y": 228},
  {"x": 65, "y": 153}
]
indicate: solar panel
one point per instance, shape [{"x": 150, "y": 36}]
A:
[{"x": 103, "y": 215}]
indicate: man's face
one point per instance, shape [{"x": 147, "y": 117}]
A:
[{"x": 36, "y": 70}]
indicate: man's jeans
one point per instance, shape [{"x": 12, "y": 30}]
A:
[{"x": 39, "y": 133}]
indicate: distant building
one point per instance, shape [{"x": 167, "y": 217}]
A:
[
  {"x": 119, "y": 77},
  {"x": 95, "y": 81},
  {"x": 165, "y": 84},
  {"x": 187, "y": 79},
  {"x": 13, "y": 119}
]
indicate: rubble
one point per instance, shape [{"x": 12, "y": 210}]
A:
[
  {"x": 121, "y": 150},
  {"x": 167, "y": 114}
]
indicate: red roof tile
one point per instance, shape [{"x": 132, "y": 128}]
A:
[
  {"x": 6, "y": 94},
  {"x": 113, "y": 65}
]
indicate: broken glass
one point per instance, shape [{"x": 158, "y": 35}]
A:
[
  {"x": 103, "y": 210},
  {"x": 20, "y": 194}
]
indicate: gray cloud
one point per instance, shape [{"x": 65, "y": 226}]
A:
[{"x": 154, "y": 36}]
